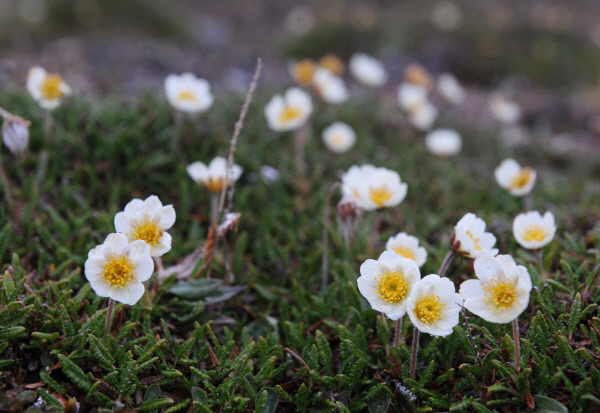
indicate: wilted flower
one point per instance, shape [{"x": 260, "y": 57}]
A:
[
  {"x": 332, "y": 63},
  {"x": 289, "y": 112},
  {"x": 368, "y": 70},
  {"x": 303, "y": 71},
  {"x": 532, "y": 231},
  {"x": 117, "y": 268},
  {"x": 339, "y": 137},
  {"x": 213, "y": 176},
  {"x": 443, "y": 142},
  {"x": 407, "y": 246},
  {"x": 519, "y": 181},
  {"x": 349, "y": 215},
  {"x": 188, "y": 93},
  {"x": 46, "y": 88},
  {"x": 470, "y": 238},
  {"x": 373, "y": 188},
  {"x": 504, "y": 110},
  {"x": 501, "y": 291},
  {"x": 330, "y": 87},
  {"x": 418, "y": 75},
  {"x": 388, "y": 282},
  {"x": 433, "y": 305},
  {"x": 450, "y": 89},
  {"x": 148, "y": 221},
  {"x": 15, "y": 134}
]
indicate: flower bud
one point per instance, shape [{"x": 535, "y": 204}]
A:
[
  {"x": 348, "y": 216},
  {"x": 15, "y": 134}
]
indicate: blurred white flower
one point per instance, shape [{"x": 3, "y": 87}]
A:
[
  {"x": 504, "y": 110},
  {"x": 46, "y": 88},
  {"x": 446, "y": 15},
  {"x": 373, "y": 188},
  {"x": 269, "y": 174},
  {"x": 470, "y": 238},
  {"x": 532, "y": 231},
  {"x": 407, "y": 246},
  {"x": 15, "y": 134},
  {"x": 116, "y": 268},
  {"x": 368, "y": 70},
  {"x": 423, "y": 116},
  {"x": 450, "y": 89},
  {"x": 339, "y": 137},
  {"x": 188, "y": 93},
  {"x": 501, "y": 291},
  {"x": 147, "y": 220},
  {"x": 387, "y": 283},
  {"x": 289, "y": 112},
  {"x": 213, "y": 176},
  {"x": 443, "y": 142},
  {"x": 330, "y": 87},
  {"x": 411, "y": 97},
  {"x": 433, "y": 305},
  {"x": 518, "y": 181}
]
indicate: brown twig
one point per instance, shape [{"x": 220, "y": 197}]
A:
[{"x": 297, "y": 357}]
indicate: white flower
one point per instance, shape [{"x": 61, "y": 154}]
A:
[
  {"x": 188, "y": 93},
  {"x": 443, "y": 142},
  {"x": 519, "y": 181},
  {"x": 411, "y": 97},
  {"x": 450, "y": 89},
  {"x": 470, "y": 238},
  {"x": 407, "y": 246},
  {"x": 501, "y": 292},
  {"x": 289, "y": 112},
  {"x": 532, "y": 231},
  {"x": 116, "y": 268},
  {"x": 213, "y": 176},
  {"x": 46, "y": 88},
  {"x": 15, "y": 134},
  {"x": 433, "y": 305},
  {"x": 504, "y": 110},
  {"x": 387, "y": 283},
  {"x": 339, "y": 137},
  {"x": 269, "y": 174},
  {"x": 373, "y": 188},
  {"x": 423, "y": 116},
  {"x": 368, "y": 70},
  {"x": 148, "y": 221},
  {"x": 330, "y": 87}
]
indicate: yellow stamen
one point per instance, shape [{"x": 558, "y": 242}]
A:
[
  {"x": 337, "y": 140},
  {"x": 476, "y": 245},
  {"x": 500, "y": 294},
  {"x": 186, "y": 95},
  {"x": 406, "y": 252},
  {"x": 147, "y": 230},
  {"x": 380, "y": 195},
  {"x": 289, "y": 113},
  {"x": 118, "y": 271},
  {"x": 534, "y": 233},
  {"x": 51, "y": 87},
  {"x": 214, "y": 184},
  {"x": 522, "y": 178},
  {"x": 429, "y": 309},
  {"x": 303, "y": 71},
  {"x": 392, "y": 287}
]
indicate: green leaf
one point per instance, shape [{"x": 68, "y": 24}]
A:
[
  {"x": 155, "y": 404},
  {"x": 152, "y": 392},
  {"x": 267, "y": 400},
  {"x": 379, "y": 403},
  {"x": 195, "y": 289},
  {"x": 545, "y": 404}
]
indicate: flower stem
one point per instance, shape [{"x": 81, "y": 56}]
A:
[
  {"x": 326, "y": 219},
  {"x": 177, "y": 124},
  {"x": 398, "y": 332},
  {"x": 528, "y": 201},
  {"x": 515, "y": 326},
  {"x": 111, "y": 306},
  {"x": 446, "y": 262},
  {"x": 299, "y": 142},
  {"x": 375, "y": 230},
  {"x": 6, "y": 186},
  {"x": 214, "y": 207},
  {"x": 540, "y": 259},
  {"x": 415, "y": 350},
  {"x": 48, "y": 121}
]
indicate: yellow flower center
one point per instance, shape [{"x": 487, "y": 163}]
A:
[
  {"x": 499, "y": 294},
  {"x": 380, "y": 195},
  {"x": 429, "y": 309},
  {"x": 337, "y": 140},
  {"x": 332, "y": 63},
  {"x": 51, "y": 87},
  {"x": 522, "y": 178},
  {"x": 406, "y": 252},
  {"x": 214, "y": 184},
  {"x": 186, "y": 95},
  {"x": 147, "y": 230},
  {"x": 534, "y": 233},
  {"x": 289, "y": 113},
  {"x": 303, "y": 71},
  {"x": 118, "y": 271},
  {"x": 392, "y": 287},
  {"x": 476, "y": 245}
]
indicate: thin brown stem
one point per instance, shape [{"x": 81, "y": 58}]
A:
[
  {"x": 6, "y": 186},
  {"x": 398, "y": 332},
  {"x": 515, "y": 327},
  {"x": 446, "y": 262},
  {"x": 297, "y": 357},
  {"x": 325, "y": 258},
  {"x": 111, "y": 306},
  {"x": 48, "y": 121},
  {"x": 528, "y": 201},
  {"x": 299, "y": 142},
  {"x": 375, "y": 231},
  {"x": 414, "y": 353}
]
